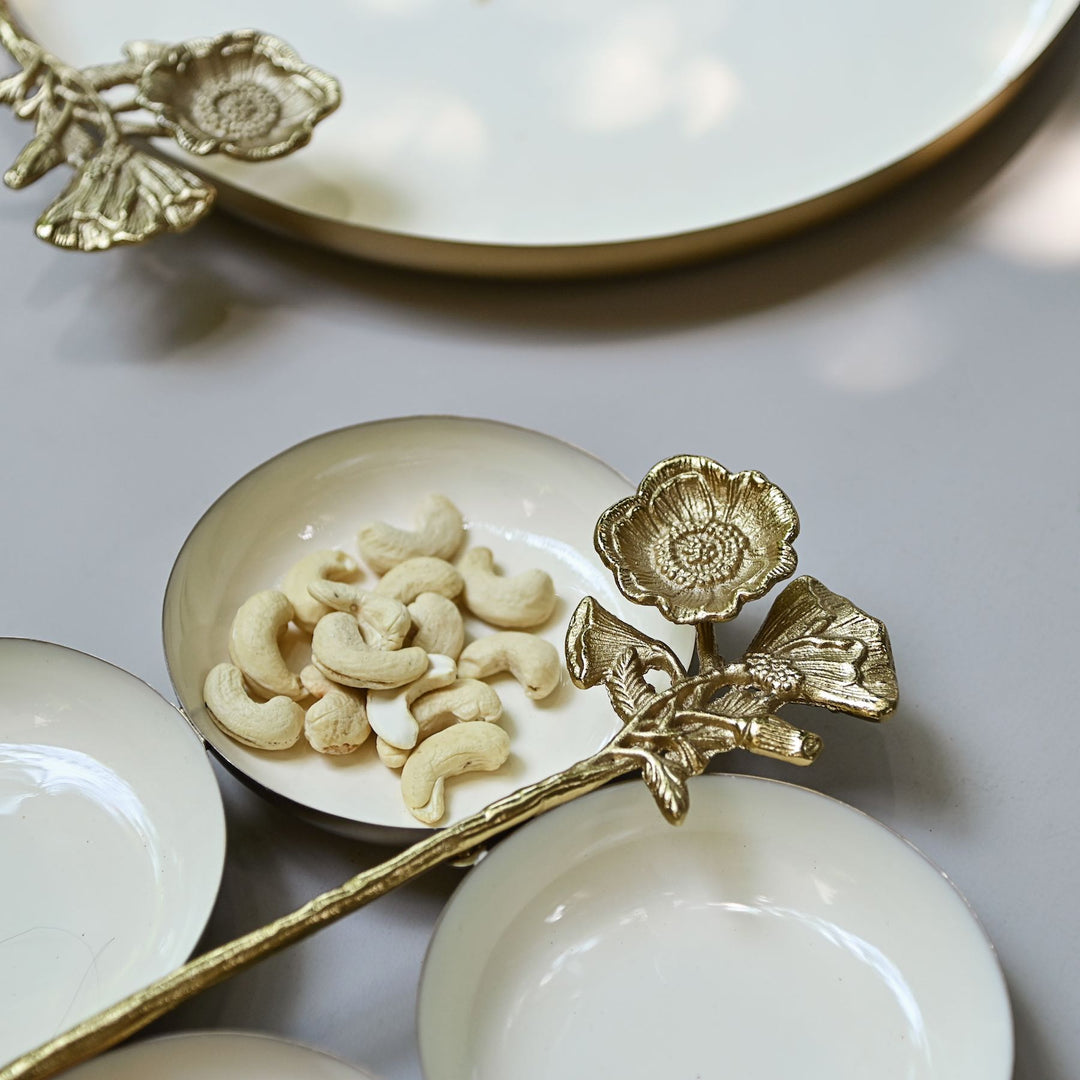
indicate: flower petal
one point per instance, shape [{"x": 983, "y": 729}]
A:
[
  {"x": 842, "y": 653},
  {"x": 684, "y": 499}
]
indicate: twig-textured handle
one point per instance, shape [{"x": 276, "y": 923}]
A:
[{"x": 113, "y": 1025}]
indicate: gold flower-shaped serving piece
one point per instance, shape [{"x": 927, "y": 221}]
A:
[
  {"x": 698, "y": 542},
  {"x": 246, "y": 94},
  {"x": 243, "y": 94}
]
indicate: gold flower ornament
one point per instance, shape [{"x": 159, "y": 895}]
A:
[
  {"x": 698, "y": 541},
  {"x": 247, "y": 95},
  {"x": 244, "y": 94}
]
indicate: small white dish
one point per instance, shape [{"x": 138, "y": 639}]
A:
[
  {"x": 778, "y": 933},
  {"x": 112, "y": 834},
  {"x": 531, "y": 137},
  {"x": 532, "y": 499},
  {"x": 217, "y": 1055}
]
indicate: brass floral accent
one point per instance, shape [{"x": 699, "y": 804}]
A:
[
  {"x": 698, "y": 541},
  {"x": 247, "y": 95},
  {"x": 814, "y": 647},
  {"x": 244, "y": 94}
]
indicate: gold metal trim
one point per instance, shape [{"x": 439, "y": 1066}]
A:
[{"x": 696, "y": 541}]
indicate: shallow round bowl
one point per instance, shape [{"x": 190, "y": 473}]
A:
[
  {"x": 530, "y": 498},
  {"x": 112, "y": 839},
  {"x": 776, "y": 934},
  {"x": 217, "y": 1055}
]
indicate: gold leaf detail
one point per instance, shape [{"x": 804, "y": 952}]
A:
[
  {"x": 629, "y": 691},
  {"x": 668, "y": 786}
]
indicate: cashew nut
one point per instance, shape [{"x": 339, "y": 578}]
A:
[
  {"x": 438, "y": 624},
  {"x": 341, "y": 654},
  {"x": 439, "y": 532},
  {"x": 393, "y": 757},
  {"x": 407, "y": 580},
  {"x": 526, "y": 599},
  {"x": 463, "y": 700},
  {"x": 315, "y": 682},
  {"x": 460, "y": 702},
  {"x": 458, "y": 749},
  {"x": 253, "y": 644},
  {"x": 337, "y": 722},
  {"x": 388, "y": 711},
  {"x": 383, "y": 621},
  {"x": 273, "y": 725},
  {"x": 315, "y": 566},
  {"x": 533, "y": 661}
]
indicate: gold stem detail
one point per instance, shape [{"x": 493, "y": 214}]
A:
[
  {"x": 705, "y": 646},
  {"x": 119, "y": 1021}
]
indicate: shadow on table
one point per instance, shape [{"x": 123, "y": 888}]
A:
[
  {"x": 226, "y": 264},
  {"x": 1034, "y": 1058}
]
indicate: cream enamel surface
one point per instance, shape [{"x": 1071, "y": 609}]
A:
[
  {"x": 112, "y": 837},
  {"x": 777, "y": 933},
  {"x": 533, "y": 122},
  {"x": 224, "y": 1055},
  {"x": 532, "y": 499}
]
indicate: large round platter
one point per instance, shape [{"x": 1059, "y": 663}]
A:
[
  {"x": 530, "y": 498},
  {"x": 217, "y": 1055},
  {"x": 777, "y": 933},
  {"x": 112, "y": 835},
  {"x": 531, "y": 137}
]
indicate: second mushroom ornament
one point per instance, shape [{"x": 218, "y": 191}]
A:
[{"x": 697, "y": 542}]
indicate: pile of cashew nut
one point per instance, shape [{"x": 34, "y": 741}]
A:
[{"x": 392, "y": 659}]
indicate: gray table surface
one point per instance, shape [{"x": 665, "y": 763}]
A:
[{"x": 908, "y": 374}]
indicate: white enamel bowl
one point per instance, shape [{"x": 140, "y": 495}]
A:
[
  {"x": 112, "y": 839},
  {"x": 217, "y": 1055},
  {"x": 776, "y": 934},
  {"x": 532, "y": 499},
  {"x": 562, "y": 137}
]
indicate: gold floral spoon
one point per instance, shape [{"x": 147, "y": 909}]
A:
[{"x": 698, "y": 542}]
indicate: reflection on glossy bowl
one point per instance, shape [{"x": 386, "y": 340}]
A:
[
  {"x": 532, "y": 499},
  {"x": 217, "y": 1055},
  {"x": 776, "y": 934},
  {"x": 112, "y": 839}
]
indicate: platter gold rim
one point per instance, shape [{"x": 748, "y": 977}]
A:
[{"x": 539, "y": 262}]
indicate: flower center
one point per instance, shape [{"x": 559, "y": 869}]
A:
[
  {"x": 703, "y": 557},
  {"x": 238, "y": 110},
  {"x": 772, "y": 674}
]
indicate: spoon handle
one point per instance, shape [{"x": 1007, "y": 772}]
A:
[{"x": 119, "y": 1021}]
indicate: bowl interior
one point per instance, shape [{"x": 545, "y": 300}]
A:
[
  {"x": 112, "y": 835},
  {"x": 777, "y": 933},
  {"x": 532, "y": 499},
  {"x": 217, "y": 1055}
]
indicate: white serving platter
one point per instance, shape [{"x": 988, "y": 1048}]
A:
[
  {"x": 112, "y": 839},
  {"x": 532, "y": 499},
  {"x": 537, "y": 137},
  {"x": 777, "y": 933},
  {"x": 217, "y": 1055}
]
